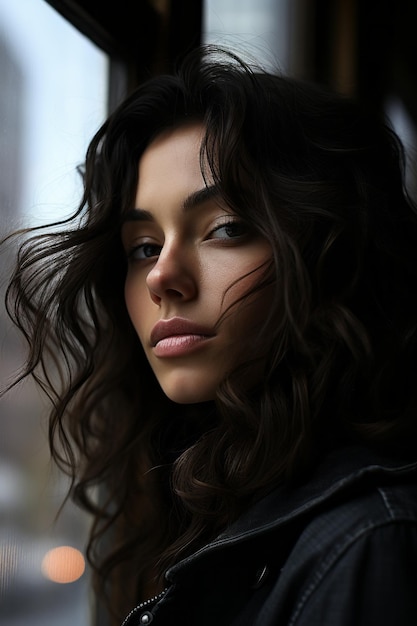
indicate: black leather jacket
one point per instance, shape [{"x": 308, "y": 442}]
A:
[{"x": 340, "y": 550}]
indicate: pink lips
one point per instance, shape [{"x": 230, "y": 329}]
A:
[{"x": 178, "y": 336}]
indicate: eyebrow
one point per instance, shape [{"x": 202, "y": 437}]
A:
[
  {"x": 199, "y": 197},
  {"x": 194, "y": 200}
]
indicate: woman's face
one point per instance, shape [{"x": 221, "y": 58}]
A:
[{"x": 189, "y": 258}]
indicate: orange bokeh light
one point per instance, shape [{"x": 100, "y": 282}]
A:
[{"x": 63, "y": 565}]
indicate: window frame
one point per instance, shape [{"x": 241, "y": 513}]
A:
[{"x": 141, "y": 38}]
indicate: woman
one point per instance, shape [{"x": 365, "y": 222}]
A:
[{"x": 231, "y": 318}]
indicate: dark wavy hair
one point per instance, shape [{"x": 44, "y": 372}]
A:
[{"x": 319, "y": 177}]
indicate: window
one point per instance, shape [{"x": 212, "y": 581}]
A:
[
  {"x": 406, "y": 129},
  {"x": 257, "y": 30},
  {"x": 53, "y": 98}
]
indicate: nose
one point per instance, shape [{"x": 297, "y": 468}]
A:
[{"x": 174, "y": 275}]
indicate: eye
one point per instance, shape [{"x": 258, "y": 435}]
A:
[
  {"x": 144, "y": 251},
  {"x": 229, "y": 230}
]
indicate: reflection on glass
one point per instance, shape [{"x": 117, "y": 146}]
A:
[{"x": 52, "y": 99}]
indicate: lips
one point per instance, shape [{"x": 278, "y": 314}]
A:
[{"x": 176, "y": 327}]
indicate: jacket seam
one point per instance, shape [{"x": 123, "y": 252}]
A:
[
  {"x": 329, "y": 563},
  {"x": 386, "y": 502}
]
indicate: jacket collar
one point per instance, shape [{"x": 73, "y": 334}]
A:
[{"x": 335, "y": 473}]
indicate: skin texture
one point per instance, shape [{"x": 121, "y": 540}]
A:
[{"x": 190, "y": 258}]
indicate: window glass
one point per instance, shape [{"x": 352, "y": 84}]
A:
[
  {"x": 257, "y": 30},
  {"x": 406, "y": 128},
  {"x": 53, "y": 98}
]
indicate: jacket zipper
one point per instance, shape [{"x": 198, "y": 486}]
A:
[{"x": 144, "y": 604}]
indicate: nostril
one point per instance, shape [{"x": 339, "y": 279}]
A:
[
  {"x": 172, "y": 280},
  {"x": 174, "y": 293}
]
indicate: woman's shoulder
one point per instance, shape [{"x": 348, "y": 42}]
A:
[{"x": 355, "y": 558}]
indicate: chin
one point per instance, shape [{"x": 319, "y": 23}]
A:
[
  {"x": 188, "y": 391},
  {"x": 183, "y": 397}
]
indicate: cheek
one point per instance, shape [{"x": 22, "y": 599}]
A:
[
  {"x": 129, "y": 300},
  {"x": 244, "y": 320},
  {"x": 240, "y": 284},
  {"x": 135, "y": 305}
]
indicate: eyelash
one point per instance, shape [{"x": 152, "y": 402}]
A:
[
  {"x": 132, "y": 254},
  {"x": 230, "y": 224},
  {"x": 141, "y": 247}
]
